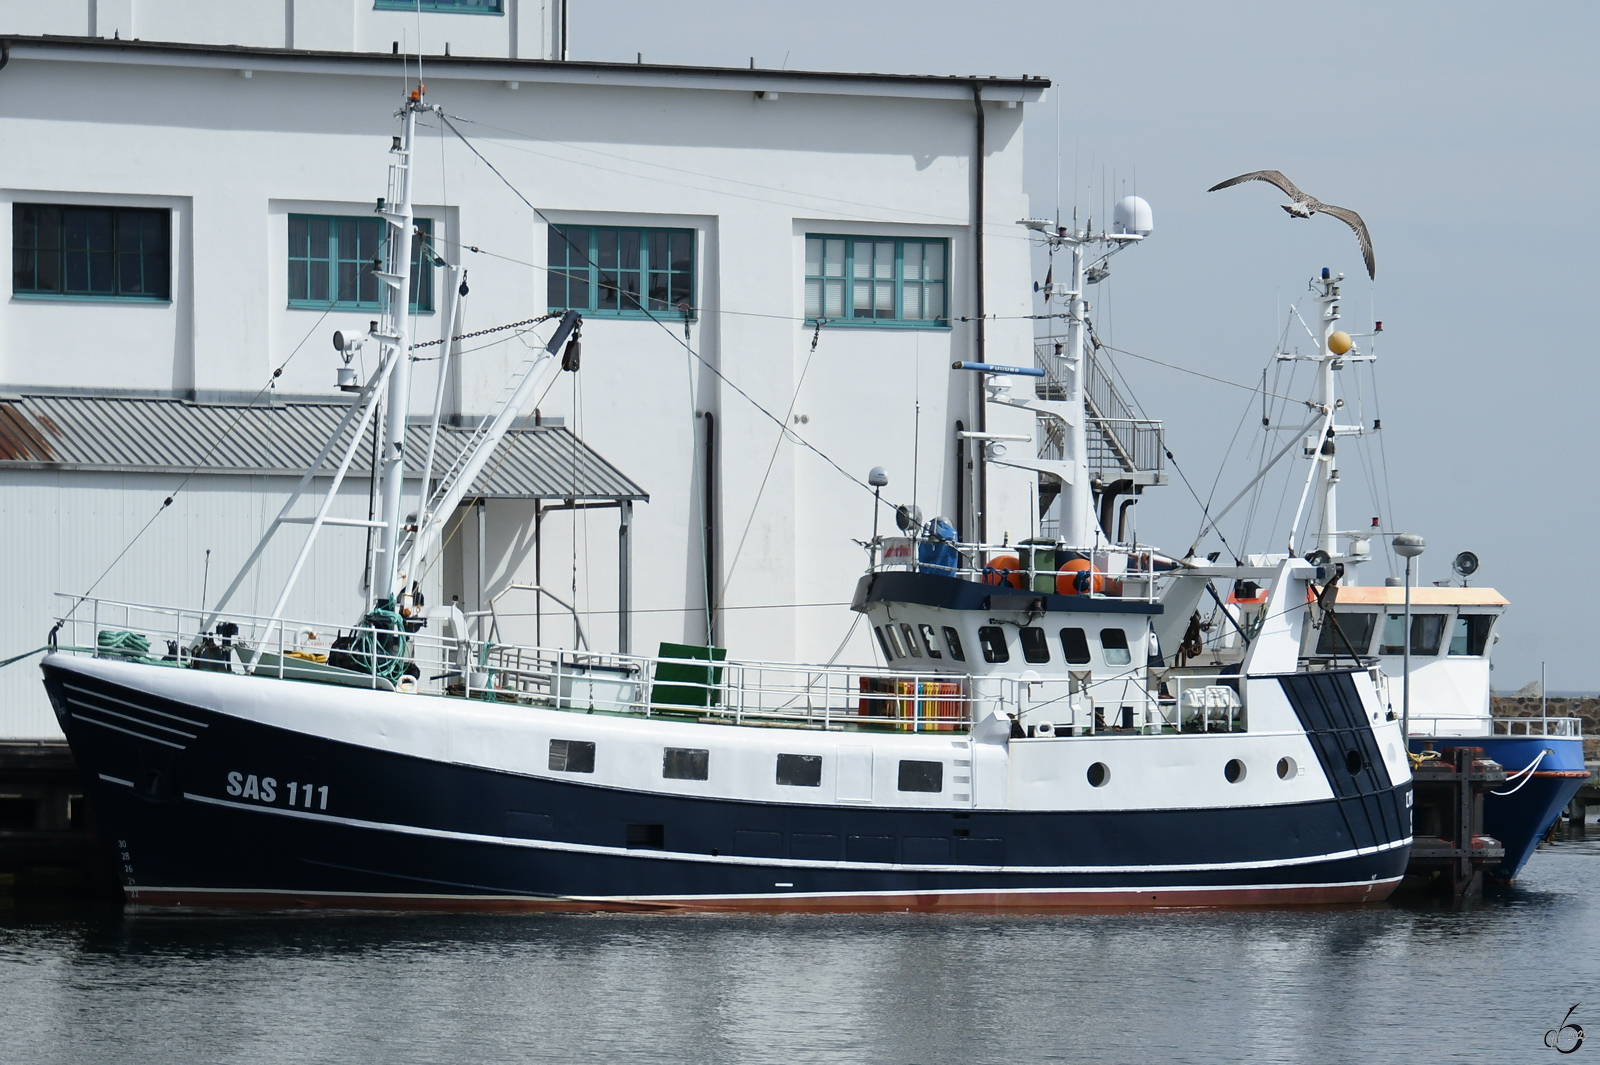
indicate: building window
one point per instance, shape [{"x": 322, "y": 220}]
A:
[
  {"x": 458, "y": 7},
  {"x": 876, "y": 280},
  {"x": 620, "y": 271},
  {"x": 333, "y": 262},
  {"x": 94, "y": 252}
]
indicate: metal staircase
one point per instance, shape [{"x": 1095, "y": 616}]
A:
[{"x": 1121, "y": 445}]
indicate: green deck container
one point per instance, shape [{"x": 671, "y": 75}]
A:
[{"x": 682, "y": 684}]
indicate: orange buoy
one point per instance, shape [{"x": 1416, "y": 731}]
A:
[
  {"x": 1069, "y": 583},
  {"x": 1002, "y": 571}
]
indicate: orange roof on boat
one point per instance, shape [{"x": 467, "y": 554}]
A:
[{"x": 1369, "y": 595}]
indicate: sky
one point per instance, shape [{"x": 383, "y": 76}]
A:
[{"x": 1464, "y": 134}]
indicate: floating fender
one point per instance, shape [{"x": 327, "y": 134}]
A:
[
  {"x": 1079, "y": 577},
  {"x": 1003, "y": 571}
]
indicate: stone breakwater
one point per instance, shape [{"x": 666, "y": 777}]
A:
[{"x": 1585, "y": 707}]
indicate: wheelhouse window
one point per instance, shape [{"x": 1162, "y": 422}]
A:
[
  {"x": 91, "y": 252},
  {"x": 1345, "y": 633},
  {"x": 888, "y": 655},
  {"x": 1035, "y": 644},
  {"x": 876, "y": 280},
  {"x": 992, "y": 638},
  {"x": 1114, "y": 642},
  {"x": 1427, "y": 633},
  {"x": 334, "y": 262},
  {"x": 911, "y": 641},
  {"x": 930, "y": 641},
  {"x": 1471, "y": 634},
  {"x": 1075, "y": 646},
  {"x": 623, "y": 271},
  {"x": 952, "y": 640}
]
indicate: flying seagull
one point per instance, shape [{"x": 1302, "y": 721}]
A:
[{"x": 1305, "y": 206}]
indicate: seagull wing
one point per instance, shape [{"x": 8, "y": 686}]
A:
[
  {"x": 1353, "y": 220},
  {"x": 1273, "y": 176}
]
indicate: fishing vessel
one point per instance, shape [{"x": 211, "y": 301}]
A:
[
  {"x": 1021, "y": 746},
  {"x": 1440, "y": 673}
]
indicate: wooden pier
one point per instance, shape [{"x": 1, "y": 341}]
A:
[
  {"x": 48, "y": 845},
  {"x": 1449, "y": 852}
]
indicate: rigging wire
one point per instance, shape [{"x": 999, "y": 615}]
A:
[
  {"x": 653, "y": 317},
  {"x": 1205, "y": 509},
  {"x": 195, "y": 469},
  {"x": 805, "y": 201},
  {"x": 777, "y": 445}
]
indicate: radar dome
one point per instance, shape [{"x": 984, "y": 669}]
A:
[{"x": 1132, "y": 216}]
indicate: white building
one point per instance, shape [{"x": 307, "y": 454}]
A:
[{"x": 181, "y": 213}]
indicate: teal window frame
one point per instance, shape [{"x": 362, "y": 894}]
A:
[
  {"x": 874, "y": 283},
  {"x": 331, "y": 267},
  {"x": 621, "y": 271},
  {"x": 448, "y": 7},
  {"x": 68, "y": 251}
]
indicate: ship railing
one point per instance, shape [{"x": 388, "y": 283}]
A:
[
  {"x": 732, "y": 691},
  {"x": 1123, "y": 572},
  {"x": 1564, "y": 727}
]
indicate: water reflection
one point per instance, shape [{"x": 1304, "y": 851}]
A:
[{"x": 1376, "y": 984}]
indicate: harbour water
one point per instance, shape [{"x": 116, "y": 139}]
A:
[{"x": 1416, "y": 981}]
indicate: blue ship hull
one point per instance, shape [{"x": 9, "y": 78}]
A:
[
  {"x": 373, "y": 829},
  {"x": 1520, "y": 818}
]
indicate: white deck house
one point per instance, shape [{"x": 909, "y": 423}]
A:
[{"x": 186, "y": 217}]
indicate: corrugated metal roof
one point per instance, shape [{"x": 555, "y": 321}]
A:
[{"x": 158, "y": 435}]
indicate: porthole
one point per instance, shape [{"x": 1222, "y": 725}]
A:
[
  {"x": 1234, "y": 771},
  {"x": 1099, "y": 775},
  {"x": 1286, "y": 768},
  {"x": 1352, "y": 762}
]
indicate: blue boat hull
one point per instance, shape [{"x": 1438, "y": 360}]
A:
[
  {"x": 1520, "y": 818},
  {"x": 198, "y": 822}
]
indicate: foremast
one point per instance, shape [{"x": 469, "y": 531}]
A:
[
  {"x": 393, "y": 335},
  {"x": 1335, "y": 350}
]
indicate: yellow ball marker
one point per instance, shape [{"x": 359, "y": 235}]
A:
[{"x": 1339, "y": 343}]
